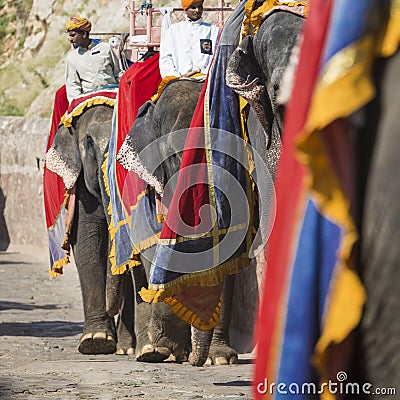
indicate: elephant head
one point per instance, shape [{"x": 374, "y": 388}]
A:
[
  {"x": 256, "y": 67},
  {"x": 153, "y": 125},
  {"x": 81, "y": 147}
]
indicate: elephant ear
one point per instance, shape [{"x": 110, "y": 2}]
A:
[
  {"x": 63, "y": 157},
  {"x": 141, "y": 135},
  {"x": 243, "y": 76}
]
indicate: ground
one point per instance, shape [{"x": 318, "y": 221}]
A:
[{"x": 40, "y": 324}]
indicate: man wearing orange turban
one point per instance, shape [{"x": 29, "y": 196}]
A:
[
  {"x": 188, "y": 46},
  {"x": 187, "y": 3},
  {"x": 91, "y": 64}
]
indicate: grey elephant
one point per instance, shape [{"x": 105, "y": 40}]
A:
[
  {"x": 173, "y": 112},
  {"x": 376, "y": 136},
  {"x": 378, "y": 349},
  {"x": 76, "y": 155}
]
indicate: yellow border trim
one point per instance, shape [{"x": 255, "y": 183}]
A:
[
  {"x": 391, "y": 40},
  {"x": 58, "y": 266},
  {"x": 210, "y": 277},
  {"x": 67, "y": 119},
  {"x": 344, "y": 86},
  {"x": 191, "y": 318}
]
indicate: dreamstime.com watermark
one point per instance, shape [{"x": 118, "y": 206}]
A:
[{"x": 341, "y": 386}]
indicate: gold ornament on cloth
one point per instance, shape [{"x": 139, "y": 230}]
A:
[{"x": 254, "y": 17}]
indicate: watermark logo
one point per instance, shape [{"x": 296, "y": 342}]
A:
[
  {"x": 228, "y": 195},
  {"x": 340, "y": 386}
]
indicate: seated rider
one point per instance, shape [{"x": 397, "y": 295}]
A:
[
  {"x": 91, "y": 64},
  {"x": 188, "y": 46}
]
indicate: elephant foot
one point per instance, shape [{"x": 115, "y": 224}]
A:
[
  {"x": 177, "y": 358},
  {"x": 126, "y": 344},
  {"x": 97, "y": 343},
  {"x": 200, "y": 346},
  {"x": 221, "y": 355},
  {"x": 152, "y": 354},
  {"x": 122, "y": 351}
]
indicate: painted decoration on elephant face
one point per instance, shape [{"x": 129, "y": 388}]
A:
[{"x": 61, "y": 171}]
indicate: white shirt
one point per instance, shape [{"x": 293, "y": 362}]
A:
[
  {"x": 91, "y": 68},
  {"x": 187, "y": 46}
]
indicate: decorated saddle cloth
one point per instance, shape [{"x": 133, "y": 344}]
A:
[
  {"x": 134, "y": 226},
  {"x": 61, "y": 171},
  {"x": 313, "y": 297},
  {"x": 135, "y": 206},
  {"x": 104, "y": 95}
]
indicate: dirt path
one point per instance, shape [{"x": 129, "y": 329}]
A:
[{"x": 40, "y": 324}]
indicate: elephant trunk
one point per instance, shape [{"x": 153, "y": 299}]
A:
[
  {"x": 201, "y": 341},
  {"x": 114, "y": 290}
]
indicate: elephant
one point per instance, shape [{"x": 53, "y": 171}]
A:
[
  {"x": 76, "y": 155},
  {"x": 173, "y": 112},
  {"x": 377, "y": 345},
  {"x": 375, "y": 340}
]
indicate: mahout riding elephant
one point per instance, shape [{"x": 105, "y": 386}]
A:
[{"x": 77, "y": 155}]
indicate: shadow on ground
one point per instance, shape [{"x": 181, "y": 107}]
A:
[
  {"x": 14, "y": 262},
  {"x": 233, "y": 383},
  {"x": 12, "y": 305},
  {"x": 4, "y": 235},
  {"x": 52, "y": 329}
]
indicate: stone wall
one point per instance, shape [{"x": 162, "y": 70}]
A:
[{"x": 22, "y": 147}]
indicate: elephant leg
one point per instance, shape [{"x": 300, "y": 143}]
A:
[
  {"x": 220, "y": 352},
  {"x": 142, "y": 311},
  {"x": 90, "y": 248},
  {"x": 160, "y": 334},
  {"x": 126, "y": 318}
]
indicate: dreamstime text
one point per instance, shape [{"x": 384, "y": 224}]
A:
[{"x": 340, "y": 386}]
